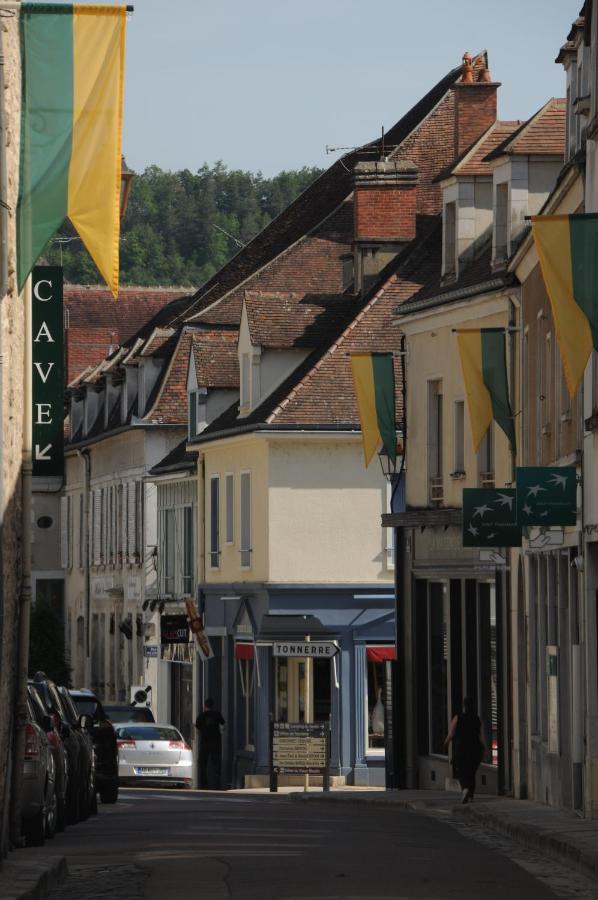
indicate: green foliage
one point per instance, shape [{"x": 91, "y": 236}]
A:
[
  {"x": 47, "y": 651},
  {"x": 168, "y": 233}
]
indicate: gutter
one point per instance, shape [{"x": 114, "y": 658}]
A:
[
  {"x": 268, "y": 428},
  {"x": 483, "y": 287},
  {"x": 116, "y": 431}
]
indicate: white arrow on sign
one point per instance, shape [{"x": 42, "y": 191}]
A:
[
  {"x": 41, "y": 454},
  {"x": 493, "y": 557},
  {"x": 547, "y": 539}
]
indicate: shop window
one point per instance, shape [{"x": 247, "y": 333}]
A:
[
  {"x": 376, "y": 689},
  {"x": 438, "y": 668},
  {"x": 247, "y": 675},
  {"x": 487, "y": 688}
]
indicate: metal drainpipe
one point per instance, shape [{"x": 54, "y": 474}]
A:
[
  {"x": 3, "y": 292},
  {"x": 85, "y": 455}
]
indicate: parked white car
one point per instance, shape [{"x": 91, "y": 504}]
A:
[{"x": 149, "y": 752}]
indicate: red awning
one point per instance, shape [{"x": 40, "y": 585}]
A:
[
  {"x": 381, "y": 654},
  {"x": 244, "y": 651}
]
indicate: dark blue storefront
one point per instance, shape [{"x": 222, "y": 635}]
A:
[{"x": 251, "y": 686}]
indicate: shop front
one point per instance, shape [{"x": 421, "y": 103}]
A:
[{"x": 328, "y": 663}]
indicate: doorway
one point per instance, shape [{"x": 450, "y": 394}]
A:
[{"x": 302, "y": 689}]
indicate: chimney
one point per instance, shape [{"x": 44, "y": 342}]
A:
[
  {"x": 385, "y": 206},
  {"x": 475, "y": 102}
]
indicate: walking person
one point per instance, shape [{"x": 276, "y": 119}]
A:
[
  {"x": 466, "y": 733},
  {"x": 208, "y": 724}
]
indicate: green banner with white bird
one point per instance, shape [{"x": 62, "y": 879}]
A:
[
  {"x": 546, "y": 495},
  {"x": 490, "y": 518}
]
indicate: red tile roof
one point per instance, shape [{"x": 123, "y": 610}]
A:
[
  {"x": 284, "y": 319},
  {"x": 473, "y": 163},
  {"x": 216, "y": 359},
  {"x": 543, "y": 134}
]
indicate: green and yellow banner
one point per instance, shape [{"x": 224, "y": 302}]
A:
[
  {"x": 374, "y": 380},
  {"x": 484, "y": 365},
  {"x": 568, "y": 252},
  {"x": 71, "y": 124}
]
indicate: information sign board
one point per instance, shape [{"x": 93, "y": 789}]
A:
[
  {"x": 299, "y": 748},
  {"x": 317, "y": 649}
]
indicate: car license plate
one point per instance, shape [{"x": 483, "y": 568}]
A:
[{"x": 151, "y": 770}]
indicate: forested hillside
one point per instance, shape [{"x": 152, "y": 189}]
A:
[{"x": 170, "y": 233}]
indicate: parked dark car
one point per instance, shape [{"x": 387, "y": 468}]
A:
[
  {"x": 104, "y": 741},
  {"x": 38, "y": 808},
  {"x": 79, "y": 764},
  {"x": 59, "y": 752},
  {"x": 82, "y": 725},
  {"x": 127, "y": 713}
]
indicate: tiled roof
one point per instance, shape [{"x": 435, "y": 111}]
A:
[
  {"x": 473, "y": 163},
  {"x": 285, "y": 319},
  {"x": 543, "y": 134},
  {"x": 319, "y": 392},
  {"x": 216, "y": 359},
  {"x": 168, "y": 406},
  {"x": 96, "y": 323}
]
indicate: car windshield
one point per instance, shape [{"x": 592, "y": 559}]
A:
[
  {"x": 88, "y": 707},
  {"x": 147, "y": 733},
  {"x": 129, "y": 714}
]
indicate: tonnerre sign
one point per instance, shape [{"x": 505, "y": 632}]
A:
[
  {"x": 315, "y": 649},
  {"x": 47, "y": 337}
]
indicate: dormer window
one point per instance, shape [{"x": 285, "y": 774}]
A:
[
  {"x": 449, "y": 266},
  {"x": 198, "y": 414}
]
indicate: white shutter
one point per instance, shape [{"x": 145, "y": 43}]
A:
[
  {"x": 64, "y": 532},
  {"x": 131, "y": 521},
  {"x": 112, "y": 529},
  {"x": 123, "y": 522},
  {"x": 96, "y": 527},
  {"x": 70, "y": 531},
  {"x": 81, "y": 533},
  {"x": 139, "y": 520}
]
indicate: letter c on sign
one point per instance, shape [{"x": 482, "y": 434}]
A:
[{"x": 36, "y": 292}]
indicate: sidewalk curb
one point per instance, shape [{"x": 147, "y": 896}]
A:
[
  {"x": 27, "y": 878},
  {"x": 547, "y": 843}
]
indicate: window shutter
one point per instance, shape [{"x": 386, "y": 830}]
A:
[
  {"x": 123, "y": 522},
  {"x": 81, "y": 533},
  {"x": 131, "y": 521},
  {"x": 139, "y": 519},
  {"x": 230, "y": 509},
  {"x": 64, "y": 532},
  {"x": 96, "y": 527},
  {"x": 245, "y": 519}
]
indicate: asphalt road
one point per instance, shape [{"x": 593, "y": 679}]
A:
[{"x": 166, "y": 845}]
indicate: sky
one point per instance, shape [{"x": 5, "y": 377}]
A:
[{"x": 267, "y": 85}]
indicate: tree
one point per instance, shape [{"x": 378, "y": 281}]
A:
[
  {"x": 169, "y": 235},
  {"x": 47, "y": 652}
]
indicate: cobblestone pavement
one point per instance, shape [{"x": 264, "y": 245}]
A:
[
  {"x": 562, "y": 880},
  {"x": 98, "y": 882}
]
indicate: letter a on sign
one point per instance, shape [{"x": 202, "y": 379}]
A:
[{"x": 47, "y": 372}]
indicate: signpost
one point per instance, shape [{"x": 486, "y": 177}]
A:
[
  {"x": 47, "y": 361},
  {"x": 300, "y": 748}
]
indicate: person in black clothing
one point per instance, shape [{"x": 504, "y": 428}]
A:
[
  {"x": 208, "y": 725},
  {"x": 466, "y": 732}
]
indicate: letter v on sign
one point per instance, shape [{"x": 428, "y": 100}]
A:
[{"x": 47, "y": 371}]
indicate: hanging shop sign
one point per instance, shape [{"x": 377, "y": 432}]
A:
[
  {"x": 47, "y": 375},
  {"x": 174, "y": 629},
  {"x": 299, "y": 748},
  {"x": 317, "y": 649},
  {"x": 198, "y": 630},
  {"x": 489, "y": 518},
  {"x": 546, "y": 495}
]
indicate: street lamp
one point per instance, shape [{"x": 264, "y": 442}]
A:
[{"x": 126, "y": 177}]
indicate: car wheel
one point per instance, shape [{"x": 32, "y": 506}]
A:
[
  {"x": 60, "y": 815},
  {"x": 51, "y": 817},
  {"x": 35, "y": 829},
  {"x": 109, "y": 792}
]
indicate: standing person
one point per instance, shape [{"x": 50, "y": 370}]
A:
[
  {"x": 208, "y": 724},
  {"x": 466, "y": 732}
]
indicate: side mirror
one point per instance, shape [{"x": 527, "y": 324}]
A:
[{"x": 85, "y": 722}]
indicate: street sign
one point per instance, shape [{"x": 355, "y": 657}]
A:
[
  {"x": 150, "y": 651},
  {"x": 299, "y": 748},
  {"x": 489, "y": 518},
  {"x": 546, "y": 495},
  {"x": 47, "y": 336},
  {"x": 317, "y": 649}
]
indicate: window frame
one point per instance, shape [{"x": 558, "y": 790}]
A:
[
  {"x": 215, "y": 545},
  {"x": 229, "y": 508},
  {"x": 248, "y": 550}
]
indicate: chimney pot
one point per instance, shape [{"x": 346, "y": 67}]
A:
[
  {"x": 484, "y": 75},
  {"x": 467, "y": 77}
]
